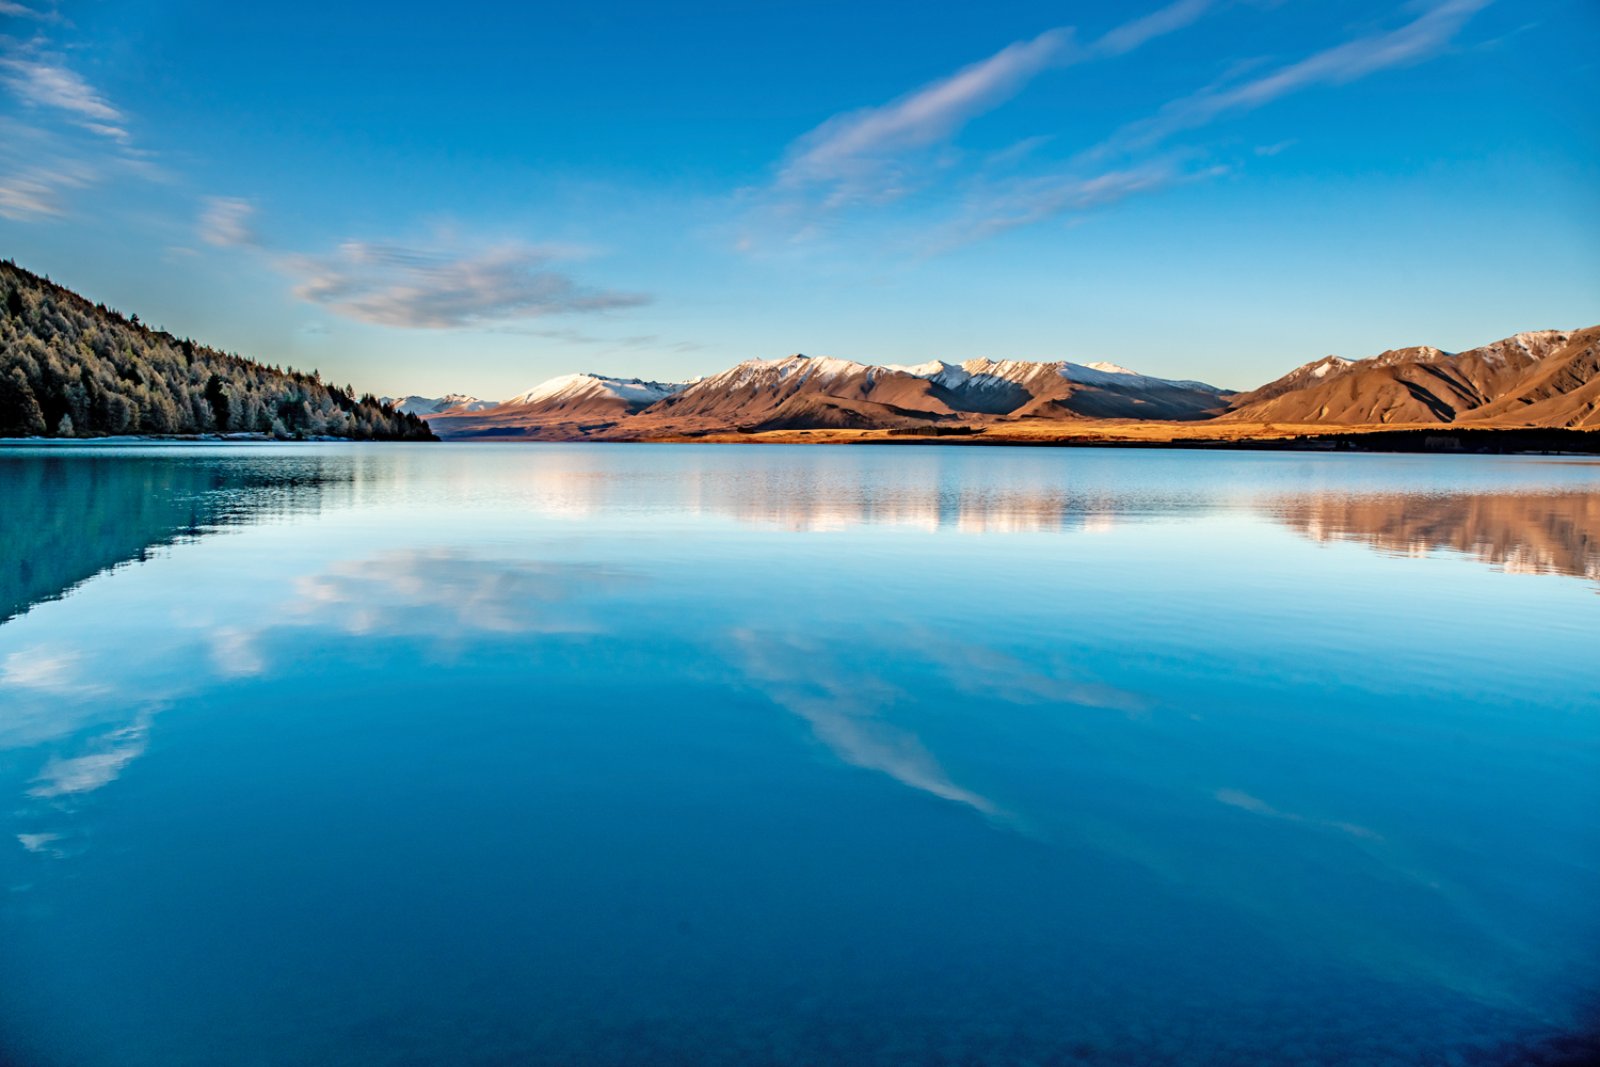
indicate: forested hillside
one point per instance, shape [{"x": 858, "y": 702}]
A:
[{"x": 69, "y": 368}]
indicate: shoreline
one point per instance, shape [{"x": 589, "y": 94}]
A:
[
  {"x": 197, "y": 439},
  {"x": 1415, "y": 440},
  {"x": 1431, "y": 440}
]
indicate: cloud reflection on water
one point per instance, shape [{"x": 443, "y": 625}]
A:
[
  {"x": 846, "y": 710},
  {"x": 442, "y": 598},
  {"x": 107, "y": 757},
  {"x": 447, "y": 594},
  {"x": 891, "y": 646}
]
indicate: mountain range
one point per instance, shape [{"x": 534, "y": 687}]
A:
[
  {"x": 1547, "y": 378},
  {"x": 805, "y": 393},
  {"x": 71, "y": 368}
]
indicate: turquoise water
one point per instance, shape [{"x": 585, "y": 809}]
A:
[{"x": 484, "y": 754}]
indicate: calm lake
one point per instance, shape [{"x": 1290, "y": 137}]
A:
[{"x": 626, "y": 754}]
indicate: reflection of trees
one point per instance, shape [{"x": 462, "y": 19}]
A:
[
  {"x": 65, "y": 518},
  {"x": 1534, "y": 533}
]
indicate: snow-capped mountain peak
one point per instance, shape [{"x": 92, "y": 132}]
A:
[
  {"x": 572, "y": 388},
  {"x": 1110, "y": 368},
  {"x": 450, "y": 403},
  {"x": 795, "y": 369}
]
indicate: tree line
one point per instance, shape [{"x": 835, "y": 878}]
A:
[{"x": 69, "y": 368}]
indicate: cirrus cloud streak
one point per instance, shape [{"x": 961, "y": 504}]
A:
[{"x": 433, "y": 288}]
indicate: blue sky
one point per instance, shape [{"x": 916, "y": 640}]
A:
[{"x": 421, "y": 198}]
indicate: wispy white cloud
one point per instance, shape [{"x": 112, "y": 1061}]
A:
[
  {"x": 856, "y": 155},
  {"x": 226, "y": 221},
  {"x": 1140, "y": 31},
  {"x": 878, "y": 155},
  {"x": 1091, "y": 181},
  {"x": 43, "y": 81},
  {"x": 443, "y": 288},
  {"x": 11, "y": 9},
  {"x": 37, "y": 193},
  {"x": 1417, "y": 40},
  {"x": 1002, "y": 206},
  {"x": 444, "y": 283},
  {"x": 63, "y": 134}
]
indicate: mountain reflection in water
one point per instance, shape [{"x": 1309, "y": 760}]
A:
[
  {"x": 476, "y": 754},
  {"x": 71, "y": 514},
  {"x": 1521, "y": 533}
]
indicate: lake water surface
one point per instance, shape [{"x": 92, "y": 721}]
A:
[{"x": 627, "y": 754}]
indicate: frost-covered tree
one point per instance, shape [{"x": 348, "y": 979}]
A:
[{"x": 71, "y": 367}]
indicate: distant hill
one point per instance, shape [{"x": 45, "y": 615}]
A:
[
  {"x": 568, "y": 407},
  {"x": 458, "y": 403},
  {"x": 1547, "y": 378},
  {"x": 69, "y": 368}
]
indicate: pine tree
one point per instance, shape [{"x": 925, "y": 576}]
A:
[
  {"x": 217, "y": 396},
  {"x": 20, "y": 415}
]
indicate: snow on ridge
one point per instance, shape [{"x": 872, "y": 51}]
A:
[
  {"x": 1414, "y": 354},
  {"x": 933, "y": 368},
  {"x": 1103, "y": 373},
  {"x": 1097, "y": 374},
  {"x": 596, "y": 386},
  {"x": 464, "y": 401},
  {"x": 801, "y": 367},
  {"x": 1111, "y": 368},
  {"x": 1533, "y": 344},
  {"x": 450, "y": 403},
  {"x": 984, "y": 373}
]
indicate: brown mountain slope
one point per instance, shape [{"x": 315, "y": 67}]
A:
[
  {"x": 571, "y": 406},
  {"x": 758, "y": 392},
  {"x": 804, "y": 393},
  {"x": 1562, "y": 390},
  {"x": 1542, "y": 379},
  {"x": 1406, "y": 386}
]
